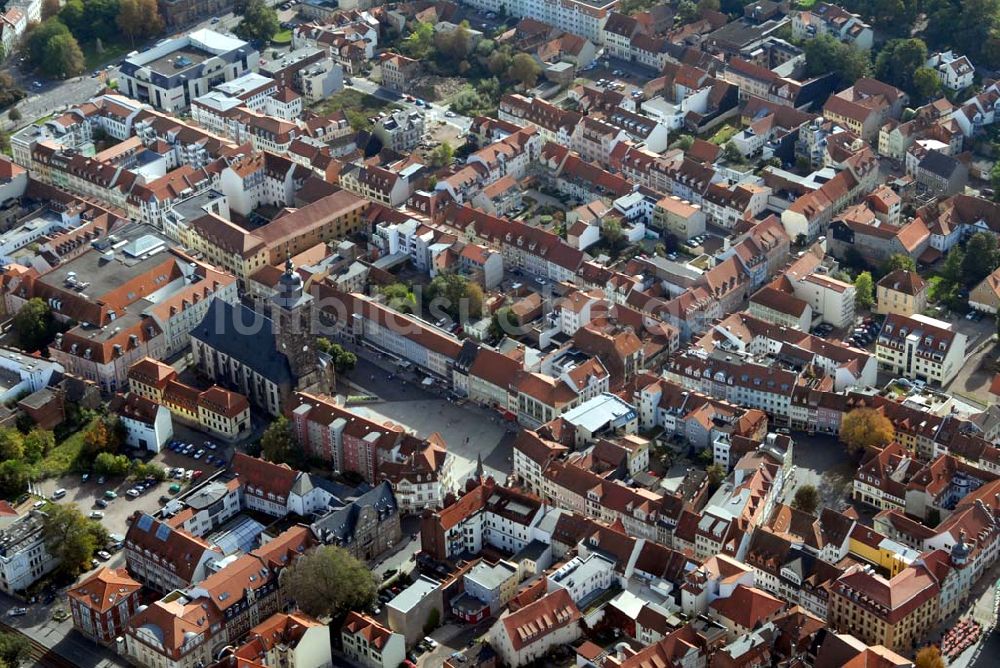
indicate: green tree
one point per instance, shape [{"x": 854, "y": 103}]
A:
[
  {"x": 442, "y": 155},
  {"x": 485, "y": 48},
  {"x": 898, "y": 60},
  {"x": 611, "y": 230},
  {"x": 71, "y": 538},
  {"x": 456, "y": 296},
  {"x": 329, "y": 581},
  {"x": 35, "y": 325},
  {"x": 454, "y": 45},
  {"x": 11, "y": 444},
  {"x": 399, "y": 297},
  {"x": 38, "y": 39},
  {"x": 898, "y": 261},
  {"x": 524, "y": 70},
  {"x": 951, "y": 270},
  {"x": 684, "y": 142},
  {"x": 140, "y": 470},
  {"x": 926, "y": 83},
  {"x": 498, "y": 62},
  {"x": 14, "y": 649},
  {"x": 827, "y": 54},
  {"x": 806, "y": 499},
  {"x": 106, "y": 463},
  {"x": 716, "y": 474},
  {"x": 865, "y": 428},
  {"x": 260, "y": 22},
  {"x": 864, "y": 288},
  {"x": 14, "y": 478},
  {"x": 419, "y": 44},
  {"x": 14, "y": 114},
  {"x": 967, "y": 25},
  {"x": 343, "y": 360},
  {"x": 980, "y": 258},
  {"x": 687, "y": 11},
  {"x": 63, "y": 58},
  {"x": 503, "y": 323},
  {"x": 709, "y": 6},
  {"x": 731, "y": 152},
  {"x": 38, "y": 443},
  {"x": 278, "y": 442}
]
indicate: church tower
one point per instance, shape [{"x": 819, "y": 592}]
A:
[{"x": 291, "y": 313}]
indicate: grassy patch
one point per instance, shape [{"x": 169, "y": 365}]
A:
[
  {"x": 805, "y": 4},
  {"x": 354, "y": 100},
  {"x": 62, "y": 458},
  {"x": 723, "y": 134},
  {"x": 282, "y": 37},
  {"x": 93, "y": 59}
]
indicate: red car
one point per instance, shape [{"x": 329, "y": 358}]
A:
[{"x": 196, "y": 475}]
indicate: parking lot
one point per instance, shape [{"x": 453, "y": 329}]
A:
[
  {"x": 92, "y": 495},
  {"x": 823, "y": 462}
]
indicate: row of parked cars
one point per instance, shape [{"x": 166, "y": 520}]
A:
[
  {"x": 193, "y": 451},
  {"x": 864, "y": 334}
]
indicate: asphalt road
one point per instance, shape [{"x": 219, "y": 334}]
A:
[{"x": 58, "y": 636}]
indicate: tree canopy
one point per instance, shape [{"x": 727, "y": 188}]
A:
[
  {"x": 827, "y": 54},
  {"x": 259, "y": 24},
  {"x": 930, "y": 657},
  {"x": 898, "y": 60},
  {"x": 865, "y": 428},
  {"x": 71, "y": 537},
  {"x": 806, "y": 499},
  {"x": 35, "y": 325},
  {"x": 343, "y": 360},
  {"x": 524, "y": 70},
  {"x": 139, "y": 18},
  {"x": 864, "y": 287},
  {"x": 14, "y": 649},
  {"x": 980, "y": 258},
  {"x": 455, "y": 295},
  {"x": 329, "y": 581},
  {"x": 278, "y": 443},
  {"x": 899, "y": 261}
]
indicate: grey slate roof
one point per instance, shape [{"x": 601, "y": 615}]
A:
[
  {"x": 338, "y": 526},
  {"x": 247, "y": 336}
]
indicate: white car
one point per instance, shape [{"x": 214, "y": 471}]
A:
[
  {"x": 133, "y": 493},
  {"x": 96, "y": 515}
]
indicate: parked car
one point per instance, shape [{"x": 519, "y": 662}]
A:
[
  {"x": 133, "y": 493},
  {"x": 103, "y": 556},
  {"x": 17, "y": 612},
  {"x": 58, "y": 494},
  {"x": 96, "y": 515}
]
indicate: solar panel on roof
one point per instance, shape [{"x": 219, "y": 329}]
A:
[
  {"x": 162, "y": 532},
  {"x": 145, "y": 522}
]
